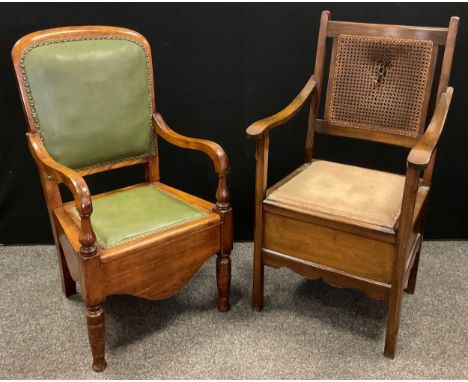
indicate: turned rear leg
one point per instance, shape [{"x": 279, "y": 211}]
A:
[
  {"x": 97, "y": 336},
  {"x": 68, "y": 284}
]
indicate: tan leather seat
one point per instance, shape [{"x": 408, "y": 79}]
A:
[{"x": 343, "y": 193}]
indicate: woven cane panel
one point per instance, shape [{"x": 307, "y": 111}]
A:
[{"x": 380, "y": 83}]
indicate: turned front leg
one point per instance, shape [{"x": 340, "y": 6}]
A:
[
  {"x": 223, "y": 262},
  {"x": 223, "y": 279},
  {"x": 92, "y": 292},
  {"x": 97, "y": 336}
]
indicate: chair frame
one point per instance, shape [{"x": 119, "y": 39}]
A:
[
  {"x": 404, "y": 245},
  {"x": 105, "y": 272}
]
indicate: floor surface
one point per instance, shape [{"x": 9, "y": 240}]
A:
[{"x": 308, "y": 330}]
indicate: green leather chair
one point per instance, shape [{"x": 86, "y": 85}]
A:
[{"x": 88, "y": 96}]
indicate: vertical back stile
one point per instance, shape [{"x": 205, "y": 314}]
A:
[
  {"x": 448, "y": 56},
  {"x": 318, "y": 76},
  {"x": 330, "y": 77},
  {"x": 429, "y": 89}
]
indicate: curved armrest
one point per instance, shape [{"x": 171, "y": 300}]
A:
[
  {"x": 259, "y": 129},
  {"x": 74, "y": 181},
  {"x": 215, "y": 151},
  {"x": 421, "y": 154}
]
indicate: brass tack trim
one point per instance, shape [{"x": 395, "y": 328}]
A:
[
  {"x": 203, "y": 215},
  {"x": 34, "y": 113}
]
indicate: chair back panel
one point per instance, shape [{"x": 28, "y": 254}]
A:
[
  {"x": 380, "y": 83},
  {"x": 90, "y": 97}
]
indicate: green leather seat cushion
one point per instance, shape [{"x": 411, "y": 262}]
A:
[{"x": 131, "y": 214}]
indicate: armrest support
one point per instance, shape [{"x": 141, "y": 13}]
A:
[
  {"x": 421, "y": 154},
  {"x": 259, "y": 129},
  {"x": 74, "y": 181},
  {"x": 212, "y": 149}
]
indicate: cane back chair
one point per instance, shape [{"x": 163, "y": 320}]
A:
[
  {"x": 88, "y": 96},
  {"x": 356, "y": 227}
]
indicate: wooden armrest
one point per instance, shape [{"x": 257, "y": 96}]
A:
[
  {"x": 74, "y": 181},
  {"x": 421, "y": 154},
  {"x": 215, "y": 151},
  {"x": 259, "y": 129}
]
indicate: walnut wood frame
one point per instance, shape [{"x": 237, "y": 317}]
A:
[
  {"x": 118, "y": 270},
  {"x": 400, "y": 248}
]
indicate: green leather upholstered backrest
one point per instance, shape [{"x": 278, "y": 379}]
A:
[{"x": 91, "y": 99}]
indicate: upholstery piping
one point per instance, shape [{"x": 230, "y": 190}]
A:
[{"x": 84, "y": 38}]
